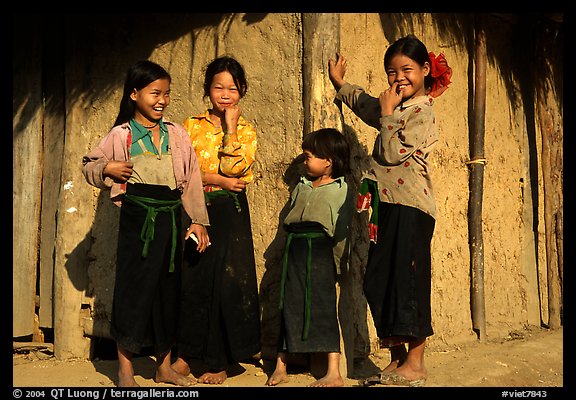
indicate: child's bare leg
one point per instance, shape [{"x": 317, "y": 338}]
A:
[
  {"x": 413, "y": 366},
  {"x": 166, "y": 374},
  {"x": 332, "y": 377},
  {"x": 280, "y": 374},
  {"x": 397, "y": 356},
  {"x": 181, "y": 366},
  {"x": 125, "y": 368}
]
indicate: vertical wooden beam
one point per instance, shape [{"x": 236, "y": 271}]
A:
[
  {"x": 27, "y": 174},
  {"x": 476, "y": 165},
  {"x": 75, "y": 207},
  {"x": 552, "y": 139},
  {"x": 53, "y": 144},
  {"x": 321, "y": 39}
]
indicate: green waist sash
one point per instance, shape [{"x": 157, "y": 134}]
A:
[
  {"x": 153, "y": 207},
  {"x": 221, "y": 193},
  {"x": 309, "y": 236}
]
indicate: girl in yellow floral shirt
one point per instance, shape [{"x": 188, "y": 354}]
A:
[{"x": 219, "y": 316}]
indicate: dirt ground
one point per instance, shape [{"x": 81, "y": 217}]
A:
[{"x": 524, "y": 359}]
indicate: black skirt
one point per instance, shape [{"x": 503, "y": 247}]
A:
[
  {"x": 323, "y": 334},
  {"x": 220, "y": 313},
  {"x": 146, "y": 294},
  {"x": 398, "y": 275}
]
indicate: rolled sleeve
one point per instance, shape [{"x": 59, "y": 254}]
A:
[
  {"x": 237, "y": 156},
  {"x": 366, "y": 107}
]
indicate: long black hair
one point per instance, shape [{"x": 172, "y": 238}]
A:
[
  {"x": 139, "y": 75},
  {"x": 229, "y": 64},
  {"x": 329, "y": 143},
  {"x": 411, "y": 47}
]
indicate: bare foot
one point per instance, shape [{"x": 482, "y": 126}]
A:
[
  {"x": 276, "y": 378},
  {"x": 398, "y": 355},
  {"x": 328, "y": 381},
  {"x": 181, "y": 367},
  {"x": 411, "y": 374},
  {"x": 171, "y": 376},
  {"x": 213, "y": 377}
]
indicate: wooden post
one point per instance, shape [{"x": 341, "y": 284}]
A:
[
  {"x": 321, "y": 40},
  {"x": 552, "y": 139},
  {"x": 54, "y": 127},
  {"x": 27, "y": 175},
  {"x": 74, "y": 213},
  {"x": 476, "y": 165}
]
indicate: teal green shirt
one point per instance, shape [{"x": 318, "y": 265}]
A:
[
  {"x": 145, "y": 135},
  {"x": 331, "y": 206}
]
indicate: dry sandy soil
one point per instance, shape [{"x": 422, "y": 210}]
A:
[{"x": 529, "y": 363}]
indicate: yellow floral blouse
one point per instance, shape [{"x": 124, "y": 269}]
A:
[{"x": 216, "y": 154}]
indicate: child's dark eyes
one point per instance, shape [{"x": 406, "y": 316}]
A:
[
  {"x": 159, "y": 94},
  {"x": 222, "y": 88}
]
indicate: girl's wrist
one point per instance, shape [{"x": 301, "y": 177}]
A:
[{"x": 338, "y": 83}]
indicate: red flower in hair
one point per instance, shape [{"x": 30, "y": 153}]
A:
[{"x": 441, "y": 72}]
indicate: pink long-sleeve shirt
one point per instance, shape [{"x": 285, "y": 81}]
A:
[{"x": 116, "y": 146}]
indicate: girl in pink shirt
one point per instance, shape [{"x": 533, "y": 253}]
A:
[{"x": 149, "y": 165}]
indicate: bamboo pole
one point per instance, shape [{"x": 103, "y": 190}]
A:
[{"x": 476, "y": 165}]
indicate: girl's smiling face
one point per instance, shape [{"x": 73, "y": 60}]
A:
[
  {"x": 223, "y": 92},
  {"x": 151, "y": 100},
  {"x": 408, "y": 74}
]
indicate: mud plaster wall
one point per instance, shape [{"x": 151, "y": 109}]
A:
[{"x": 270, "y": 48}]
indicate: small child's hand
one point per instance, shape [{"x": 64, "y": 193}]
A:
[
  {"x": 390, "y": 99},
  {"x": 337, "y": 70},
  {"x": 119, "y": 171}
]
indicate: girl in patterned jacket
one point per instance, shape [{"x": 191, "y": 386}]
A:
[{"x": 398, "y": 189}]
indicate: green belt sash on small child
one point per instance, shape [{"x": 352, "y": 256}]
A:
[
  {"x": 209, "y": 195},
  {"x": 308, "y": 236},
  {"x": 153, "y": 207}
]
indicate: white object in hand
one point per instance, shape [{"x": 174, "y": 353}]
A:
[{"x": 194, "y": 238}]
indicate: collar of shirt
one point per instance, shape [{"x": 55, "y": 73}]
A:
[
  {"x": 139, "y": 131},
  {"x": 206, "y": 116},
  {"x": 414, "y": 101},
  {"x": 308, "y": 182}
]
